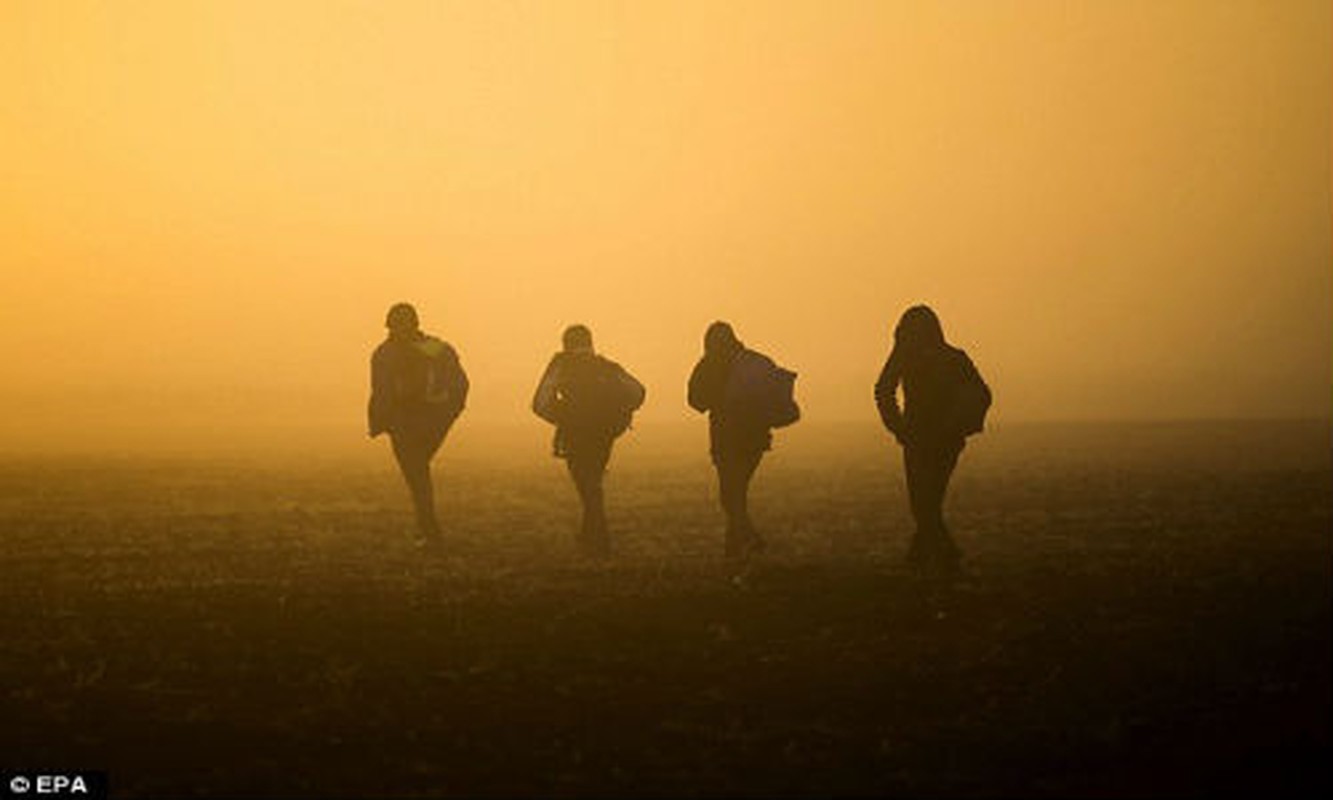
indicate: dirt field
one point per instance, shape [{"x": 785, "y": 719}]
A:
[{"x": 1147, "y": 611}]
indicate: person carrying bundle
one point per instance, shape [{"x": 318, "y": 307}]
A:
[
  {"x": 591, "y": 401},
  {"x": 746, "y": 395},
  {"x": 417, "y": 390}
]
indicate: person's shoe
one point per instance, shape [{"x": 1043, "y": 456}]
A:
[
  {"x": 938, "y": 566},
  {"x": 738, "y": 574},
  {"x": 596, "y": 552},
  {"x": 758, "y": 544},
  {"x": 916, "y": 555},
  {"x": 426, "y": 541}
]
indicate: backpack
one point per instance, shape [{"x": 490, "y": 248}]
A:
[
  {"x": 598, "y": 396},
  {"x": 426, "y": 375},
  {"x": 760, "y": 389}
]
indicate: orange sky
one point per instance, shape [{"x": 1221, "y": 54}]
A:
[{"x": 1119, "y": 209}]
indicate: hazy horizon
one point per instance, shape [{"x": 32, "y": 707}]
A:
[
  {"x": 505, "y": 444},
  {"x": 1120, "y": 211}
]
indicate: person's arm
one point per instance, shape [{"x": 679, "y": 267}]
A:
[
  {"x": 458, "y": 382},
  {"x": 379, "y": 411},
  {"x": 633, "y": 387},
  {"x": 971, "y": 399},
  {"x": 545, "y": 400},
  {"x": 700, "y": 392},
  {"x": 886, "y": 395}
]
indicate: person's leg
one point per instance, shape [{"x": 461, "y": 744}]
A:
[
  {"x": 587, "y": 466},
  {"x": 731, "y": 500},
  {"x": 950, "y": 553},
  {"x": 914, "y": 470},
  {"x": 413, "y": 455},
  {"x": 753, "y": 541},
  {"x": 734, "y": 471},
  {"x": 599, "y": 536},
  {"x": 928, "y": 469}
]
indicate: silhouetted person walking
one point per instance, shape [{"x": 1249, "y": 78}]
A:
[
  {"x": 745, "y": 395},
  {"x": 944, "y": 401},
  {"x": 417, "y": 390},
  {"x": 590, "y": 400}
]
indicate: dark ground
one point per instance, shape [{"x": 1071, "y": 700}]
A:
[{"x": 1147, "y": 612}]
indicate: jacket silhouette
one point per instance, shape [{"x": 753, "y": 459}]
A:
[
  {"x": 739, "y": 430},
  {"x": 417, "y": 390},
  {"x": 590, "y": 400},
  {"x": 944, "y": 401}
]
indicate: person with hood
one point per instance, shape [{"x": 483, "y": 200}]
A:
[
  {"x": 590, "y": 400},
  {"x": 745, "y": 395},
  {"x": 944, "y": 401},
  {"x": 417, "y": 390}
]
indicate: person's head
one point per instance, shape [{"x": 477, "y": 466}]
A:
[
  {"x": 720, "y": 339},
  {"x": 918, "y": 328},
  {"x": 402, "y": 320},
  {"x": 577, "y": 339}
]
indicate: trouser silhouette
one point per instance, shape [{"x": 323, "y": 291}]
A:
[
  {"x": 928, "y": 467},
  {"x": 587, "y": 466},
  {"x": 734, "y": 471},
  {"x": 413, "y": 447}
]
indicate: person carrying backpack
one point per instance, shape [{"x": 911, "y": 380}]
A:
[
  {"x": 745, "y": 395},
  {"x": 944, "y": 401},
  {"x": 590, "y": 400},
  {"x": 417, "y": 390}
]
